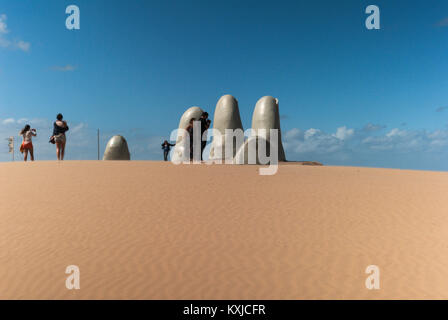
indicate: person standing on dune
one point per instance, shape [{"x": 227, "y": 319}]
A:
[
  {"x": 60, "y": 127},
  {"x": 27, "y": 145},
  {"x": 189, "y": 132},
  {"x": 166, "y": 146},
  {"x": 205, "y": 124}
]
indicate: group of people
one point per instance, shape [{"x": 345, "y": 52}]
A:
[
  {"x": 204, "y": 125},
  {"x": 58, "y": 138}
]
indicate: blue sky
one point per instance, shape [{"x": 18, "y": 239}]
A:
[{"x": 348, "y": 95}]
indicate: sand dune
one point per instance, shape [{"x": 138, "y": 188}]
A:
[{"x": 152, "y": 230}]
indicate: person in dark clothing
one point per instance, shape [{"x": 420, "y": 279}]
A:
[
  {"x": 189, "y": 130},
  {"x": 205, "y": 124},
  {"x": 60, "y": 127},
  {"x": 166, "y": 146}
]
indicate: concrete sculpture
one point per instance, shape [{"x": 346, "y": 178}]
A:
[
  {"x": 180, "y": 153},
  {"x": 227, "y": 116},
  {"x": 117, "y": 149},
  {"x": 266, "y": 116}
]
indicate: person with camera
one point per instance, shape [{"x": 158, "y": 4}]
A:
[{"x": 27, "y": 145}]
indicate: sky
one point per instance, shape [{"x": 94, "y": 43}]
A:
[{"x": 347, "y": 95}]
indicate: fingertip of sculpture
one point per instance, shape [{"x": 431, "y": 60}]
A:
[
  {"x": 267, "y": 116},
  {"x": 227, "y": 116},
  {"x": 192, "y": 112},
  {"x": 117, "y": 149}
]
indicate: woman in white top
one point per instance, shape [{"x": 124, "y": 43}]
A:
[{"x": 27, "y": 145}]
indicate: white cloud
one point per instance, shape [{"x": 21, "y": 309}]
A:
[
  {"x": 6, "y": 43},
  {"x": 293, "y": 133},
  {"x": 22, "y": 45},
  {"x": 3, "y": 25},
  {"x": 397, "y": 140},
  {"x": 396, "y": 133},
  {"x": 78, "y": 127},
  {"x": 8, "y": 121},
  {"x": 312, "y": 132},
  {"x": 311, "y": 141},
  {"x": 343, "y": 133}
]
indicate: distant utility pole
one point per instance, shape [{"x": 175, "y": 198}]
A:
[
  {"x": 11, "y": 146},
  {"x": 98, "y": 140}
]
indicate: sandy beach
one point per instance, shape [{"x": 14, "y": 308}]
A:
[{"x": 154, "y": 230}]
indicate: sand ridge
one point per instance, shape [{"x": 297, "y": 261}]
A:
[{"x": 154, "y": 230}]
